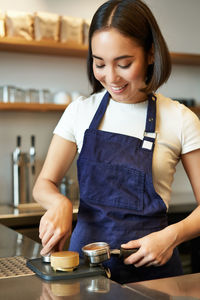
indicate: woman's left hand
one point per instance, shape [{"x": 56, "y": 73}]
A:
[{"x": 155, "y": 249}]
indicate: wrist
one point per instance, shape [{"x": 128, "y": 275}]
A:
[
  {"x": 63, "y": 201},
  {"x": 174, "y": 234}
]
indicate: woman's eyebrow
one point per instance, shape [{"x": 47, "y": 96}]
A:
[{"x": 116, "y": 58}]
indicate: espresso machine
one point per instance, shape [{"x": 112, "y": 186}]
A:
[{"x": 23, "y": 172}]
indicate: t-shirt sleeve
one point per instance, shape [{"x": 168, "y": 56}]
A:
[
  {"x": 190, "y": 131},
  {"x": 65, "y": 127}
]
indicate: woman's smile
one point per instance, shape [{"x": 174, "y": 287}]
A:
[{"x": 118, "y": 89}]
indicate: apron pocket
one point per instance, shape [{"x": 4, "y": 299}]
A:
[{"x": 111, "y": 185}]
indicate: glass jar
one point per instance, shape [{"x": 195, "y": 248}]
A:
[{"x": 32, "y": 96}]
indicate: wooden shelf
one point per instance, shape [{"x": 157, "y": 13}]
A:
[
  {"x": 20, "y": 45},
  {"x": 42, "y": 47},
  {"x": 37, "y": 107},
  {"x": 185, "y": 58},
  {"x": 69, "y": 49},
  {"x": 31, "y": 107}
]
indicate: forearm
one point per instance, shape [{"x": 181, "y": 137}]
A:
[
  {"x": 60, "y": 156},
  {"x": 47, "y": 194},
  {"x": 186, "y": 229}
]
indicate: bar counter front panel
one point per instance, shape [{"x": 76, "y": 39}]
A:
[{"x": 32, "y": 287}]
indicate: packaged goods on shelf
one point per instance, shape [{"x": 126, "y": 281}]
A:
[
  {"x": 19, "y": 24},
  {"x": 14, "y": 94},
  {"x": 61, "y": 97},
  {"x": 2, "y": 24},
  {"x": 71, "y": 30},
  {"x": 38, "y": 96},
  {"x": 86, "y": 26},
  {"x": 32, "y": 95},
  {"x": 45, "y": 96},
  {"x": 8, "y": 93},
  {"x": 46, "y": 26}
]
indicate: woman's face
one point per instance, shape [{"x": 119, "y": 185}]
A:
[{"x": 120, "y": 64}]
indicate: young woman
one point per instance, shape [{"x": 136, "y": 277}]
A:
[{"x": 129, "y": 141}]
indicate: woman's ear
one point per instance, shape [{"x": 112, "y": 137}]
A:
[{"x": 151, "y": 55}]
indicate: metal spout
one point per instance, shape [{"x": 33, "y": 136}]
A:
[{"x": 32, "y": 153}]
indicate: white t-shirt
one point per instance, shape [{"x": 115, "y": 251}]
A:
[{"x": 177, "y": 128}]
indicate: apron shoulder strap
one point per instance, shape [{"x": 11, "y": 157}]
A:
[
  {"x": 100, "y": 112},
  {"x": 150, "y": 134},
  {"x": 151, "y": 114}
]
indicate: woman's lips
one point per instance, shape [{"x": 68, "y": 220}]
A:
[{"x": 118, "y": 89}]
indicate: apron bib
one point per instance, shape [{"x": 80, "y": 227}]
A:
[{"x": 118, "y": 202}]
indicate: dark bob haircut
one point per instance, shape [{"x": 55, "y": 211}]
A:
[{"x": 133, "y": 19}]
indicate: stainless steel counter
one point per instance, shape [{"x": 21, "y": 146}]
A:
[
  {"x": 30, "y": 214},
  {"x": 26, "y": 218},
  {"x": 98, "y": 288},
  {"x": 32, "y": 287},
  {"x": 25, "y": 215},
  {"x": 181, "y": 287},
  {"x": 15, "y": 244}
]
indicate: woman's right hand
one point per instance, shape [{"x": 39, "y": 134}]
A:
[{"x": 56, "y": 225}]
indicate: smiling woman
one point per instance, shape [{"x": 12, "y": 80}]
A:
[
  {"x": 141, "y": 27},
  {"x": 129, "y": 140},
  {"x": 122, "y": 68}
]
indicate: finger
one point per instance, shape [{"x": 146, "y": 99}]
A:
[
  {"x": 50, "y": 245},
  {"x": 47, "y": 249},
  {"x": 143, "y": 262},
  {"x": 44, "y": 251},
  {"x": 131, "y": 244},
  {"x": 46, "y": 237},
  {"x": 154, "y": 263},
  {"x": 44, "y": 225},
  {"x": 41, "y": 230},
  {"x": 134, "y": 258}
]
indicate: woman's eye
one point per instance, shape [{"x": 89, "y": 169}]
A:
[
  {"x": 125, "y": 66},
  {"x": 100, "y": 66}
]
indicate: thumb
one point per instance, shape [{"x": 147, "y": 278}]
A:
[{"x": 131, "y": 244}]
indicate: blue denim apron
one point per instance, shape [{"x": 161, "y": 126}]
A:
[{"x": 118, "y": 202}]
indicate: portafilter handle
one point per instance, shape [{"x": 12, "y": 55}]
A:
[{"x": 122, "y": 252}]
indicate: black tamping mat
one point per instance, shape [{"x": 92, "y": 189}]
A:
[{"x": 46, "y": 272}]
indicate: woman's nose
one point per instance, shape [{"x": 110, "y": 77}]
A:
[{"x": 112, "y": 75}]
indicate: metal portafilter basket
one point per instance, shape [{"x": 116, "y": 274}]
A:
[{"x": 98, "y": 252}]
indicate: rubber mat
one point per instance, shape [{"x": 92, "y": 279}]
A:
[{"x": 45, "y": 271}]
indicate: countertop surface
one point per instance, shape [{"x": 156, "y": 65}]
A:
[
  {"x": 180, "y": 203},
  {"x": 33, "y": 287},
  {"x": 180, "y": 287},
  {"x": 25, "y": 214},
  {"x": 30, "y": 209},
  {"x": 8, "y": 211},
  {"x": 97, "y": 287}
]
